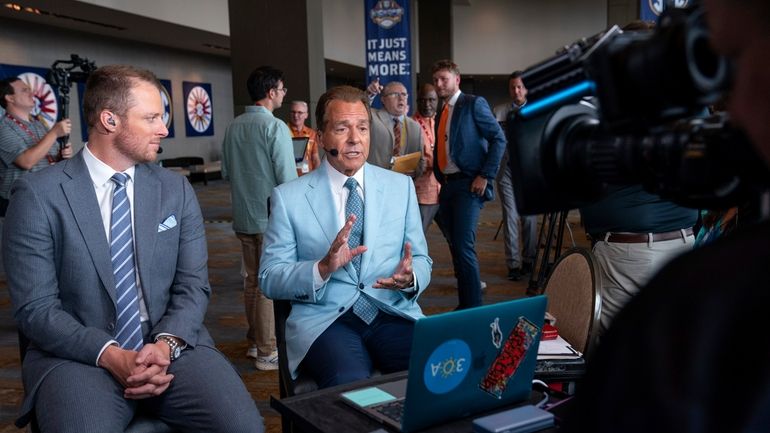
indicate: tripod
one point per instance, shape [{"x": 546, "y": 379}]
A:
[{"x": 551, "y": 238}]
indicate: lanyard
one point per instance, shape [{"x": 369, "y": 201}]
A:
[{"x": 35, "y": 138}]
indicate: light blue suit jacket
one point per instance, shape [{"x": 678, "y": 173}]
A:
[
  {"x": 300, "y": 231},
  {"x": 57, "y": 259}
]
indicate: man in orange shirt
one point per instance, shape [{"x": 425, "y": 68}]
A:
[
  {"x": 297, "y": 116},
  {"x": 426, "y": 186}
]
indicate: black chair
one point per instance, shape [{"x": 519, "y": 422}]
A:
[
  {"x": 142, "y": 423},
  {"x": 287, "y": 386}
]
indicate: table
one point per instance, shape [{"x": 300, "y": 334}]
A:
[{"x": 323, "y": 411}]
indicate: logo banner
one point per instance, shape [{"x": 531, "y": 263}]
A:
[{"x": 388, "y": 44}]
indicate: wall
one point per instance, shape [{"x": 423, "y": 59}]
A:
[
  {"x": 24, "y": 44},
  {"x": 343, "y": 28},
  {"x": 489, "y": 36},
  {"x": 497, "y": 37},
  {"x": 209, "y": 15}
]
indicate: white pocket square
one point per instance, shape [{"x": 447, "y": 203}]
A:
[{"x": 169, "y": 223}]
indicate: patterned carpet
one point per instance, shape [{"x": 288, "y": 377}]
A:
[{"x": 225, "y": 317}]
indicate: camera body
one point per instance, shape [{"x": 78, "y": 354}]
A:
[{"x": 623, "y": 108}]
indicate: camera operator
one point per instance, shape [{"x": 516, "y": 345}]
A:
[
  {"x": 689, "y": 353},
  {"x": 25, "y": 144}
]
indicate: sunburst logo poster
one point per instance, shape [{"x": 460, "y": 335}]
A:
[{"x": 199, "y": 109}]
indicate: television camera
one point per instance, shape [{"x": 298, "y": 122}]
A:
[
  {"x": 61, "y": 76},
  {"x": 622, "y": 108}
]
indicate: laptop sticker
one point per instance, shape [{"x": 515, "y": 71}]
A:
[
  {"x": 497, "y": 333},
  {"x": 507, "y": 362},
  {"x": 447, "y": 366}
]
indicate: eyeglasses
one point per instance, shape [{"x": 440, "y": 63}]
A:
[
  {"x": 395, "y": 94},
  {"x": 282, "y": 89}
]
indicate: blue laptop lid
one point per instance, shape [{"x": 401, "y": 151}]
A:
[{"x": 470, "y": 361}]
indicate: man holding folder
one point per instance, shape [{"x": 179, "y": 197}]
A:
[{"x": 396, "y": 140}]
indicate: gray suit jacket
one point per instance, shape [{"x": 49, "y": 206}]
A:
[
  {"x": 57, "y": 260},
  {"x": 382, "y": 139}
]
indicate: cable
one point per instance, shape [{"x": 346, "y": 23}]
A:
[{"x": 544, "y": 390}]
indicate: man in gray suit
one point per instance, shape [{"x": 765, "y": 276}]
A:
[
  {"x": 106, "y": 263},
  {"x": 393, "y": 133}
]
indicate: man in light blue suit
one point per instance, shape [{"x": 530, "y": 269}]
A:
[
  {"x": 345, "y": 245},
  {"x": 106, "y": 261}
]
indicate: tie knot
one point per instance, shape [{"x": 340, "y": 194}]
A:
[
  {"x": 120, "y": 178},
  {"x": 351, "y": 184}
]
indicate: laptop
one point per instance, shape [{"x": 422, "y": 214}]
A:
[
  {"x": 300, "y": 144},
  {"x": 463, "y": 362}
]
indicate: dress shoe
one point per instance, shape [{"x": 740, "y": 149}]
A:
[{"x": 515, "y": 274}]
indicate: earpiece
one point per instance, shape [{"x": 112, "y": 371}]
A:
[{"x": 111, "y": 121}]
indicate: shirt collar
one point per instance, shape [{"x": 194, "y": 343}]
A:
[
  {"x": 338, "y": 179},
  {"x": 257, "y": 109},
  {"x": 99, "y": 171},
  {"x": 453, "y": 99}
]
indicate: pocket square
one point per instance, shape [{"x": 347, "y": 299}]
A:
[{"x": 169, "y": 223}]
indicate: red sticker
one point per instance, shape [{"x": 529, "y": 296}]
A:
[{"x": 507, "y": 362}]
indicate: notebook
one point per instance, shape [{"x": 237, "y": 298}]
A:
[
  {"x": 463, "y": 362},
  {"x": 300, "y": 144}
]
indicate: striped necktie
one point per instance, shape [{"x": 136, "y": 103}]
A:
[
  {"x": 129, "y": 327},
  {"x": 363, "y": 308},
  {"x": 396, "y": 136}
]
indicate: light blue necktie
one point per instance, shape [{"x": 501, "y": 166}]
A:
[
  {"x": 129, "y": 327},
  {"x": 363, "y": 308}
]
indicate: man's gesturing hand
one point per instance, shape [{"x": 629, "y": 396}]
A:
[
  {"x": 340, "y": 254},
  {"x": 403, "y": 277}
]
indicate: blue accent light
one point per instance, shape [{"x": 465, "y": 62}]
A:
[{"x": 577, "y": 91}]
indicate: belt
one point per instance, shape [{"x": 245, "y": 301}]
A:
[
  {"x": 456, "y": 176},
  {"x": 639, "y": 238}
]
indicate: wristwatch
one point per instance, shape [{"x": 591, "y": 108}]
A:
[{"x": 173, "y": 344}]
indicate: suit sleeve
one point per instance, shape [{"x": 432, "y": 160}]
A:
[
  {"x": 190, "y": 291},
  {"x": 487, "y": 125},
  {"x": 281, "y": 274},
  {"x": 29, "y": 257}
]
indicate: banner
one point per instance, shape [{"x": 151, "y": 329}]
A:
[
  {"x": 388, "y": 44},
  {"x": 650, "y": 10}
]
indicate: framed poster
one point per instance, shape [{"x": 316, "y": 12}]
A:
[
  {"x": 199, "y": 111},
  {"x": 46, "y": 99},
  {"x": 168, "y": 106}
]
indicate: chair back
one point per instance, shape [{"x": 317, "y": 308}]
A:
[{"x": 574, "y": 298}]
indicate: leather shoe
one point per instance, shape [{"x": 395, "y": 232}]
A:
[{"x": 515, "y": 274}]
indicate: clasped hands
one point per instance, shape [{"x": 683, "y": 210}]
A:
[
  {"x": 143, "y": 373},
  {"x": 340, "y": 254}
]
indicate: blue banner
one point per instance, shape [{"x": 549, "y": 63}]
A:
[
  {"x": 650, "y": 10},
  {"x": 388, "y": 44}
]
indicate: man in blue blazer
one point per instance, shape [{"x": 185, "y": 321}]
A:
[
  {"x": 469, "y": 146},
  {"x": 345, "y": 245},
  {"x": 106, "y": 262}
]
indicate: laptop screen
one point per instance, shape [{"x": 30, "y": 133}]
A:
[{"x": 300, "y": 144}]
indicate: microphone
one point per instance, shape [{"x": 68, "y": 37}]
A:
[{"x": 334, "y": 152}]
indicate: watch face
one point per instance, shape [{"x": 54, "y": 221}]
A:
[{"x": 176, "y": 353}]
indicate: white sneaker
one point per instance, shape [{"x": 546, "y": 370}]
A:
[
  {"x": 252, "y": 352},
  {"x": 269, "y": 362}
]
